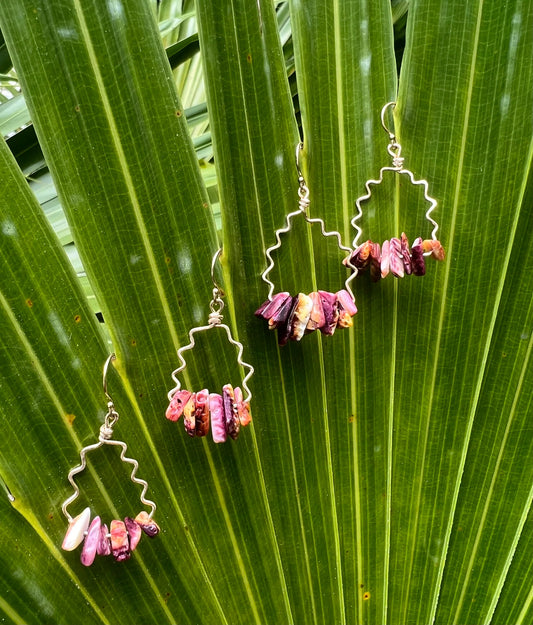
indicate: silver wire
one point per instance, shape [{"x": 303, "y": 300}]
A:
[
  {"x": 383, "y": 111},
  {"x": 213, "y": 263},
  {"x": 123, "y": 457},
  {"x": 192, "y": 343},
  {"x": 395, "y": 150},
  {"x": 214, "y": 321},
  {"x": 110, "y": 358},
  {"x": 303, "y": 204},
  {"x": 104, "y": 438}
]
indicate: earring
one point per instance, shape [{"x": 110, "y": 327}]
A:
[
  {"x": 299, "y": 315},
  {"x": 394, "y": 255},
  {"x": 123, "y": 536},
  {"x": 227, "y": 412}
]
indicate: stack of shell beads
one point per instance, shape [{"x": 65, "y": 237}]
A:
[
  {"x": 227, "y": 412},
  {"x": 120, "y": 540},
  {"x": 395, "y": 256},
  {"x": 296, "y": 316}
]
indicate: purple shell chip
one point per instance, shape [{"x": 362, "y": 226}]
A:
[
  {"x": 331, "y": 312},
  {"x": 417, "y": 258},
  {"x": 284, "y": 325}
]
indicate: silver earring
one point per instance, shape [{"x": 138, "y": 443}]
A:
[
  {"x": 394, "y": 255},
  {"x": 293, "y": 317},
  {"x": 122, "y": 536},
  {"x": 225, "y": 412}
]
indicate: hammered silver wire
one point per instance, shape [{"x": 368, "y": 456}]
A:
[
  {"x": 303, "y": 204},
  {"x": 394, "y": 149},
  {"x": 104, "y": 438},
  {"x": 214, "y": 321}
]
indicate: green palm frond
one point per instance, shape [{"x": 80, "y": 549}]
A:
[{"x": 385, "y": 477}]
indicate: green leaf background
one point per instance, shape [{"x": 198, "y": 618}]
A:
[{"x": 385, "y": 477}]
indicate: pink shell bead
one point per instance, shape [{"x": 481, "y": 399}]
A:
[
  {"x": 177, "y": 403},
  {"x": 346, "y": 307},
  {"x": 218, "y": 425},
  {"x": 119, "y": 541},
  {"x": 435, "y": 247},
  {"x": 406, "y": 256},
  {"x": 76, "y": 530},
  {"x": 90, "y": 543},
  {"x": 243, "y": 408},
  {"x": 301, "y": 316},
  {"x": 269, "y": 308},
  {"x": 331, "y": 312},
  {"x": 189, "y": 415},
  {"x": 280, "y": 317},
  {"x": 396, "y": 260},
  {"x": 316, "y": 318},
  {"x": 345, "y": 301},
  {"x": 134, "y": 532},
  {"x": 385, "y": 259},
  {"x": 360, "y": 257},
  {"x": 417, "y": 258},
  {"x": 148, "y": 525},
  {"x": 284, "y": 325},
  {"x": 103, "y": 548},
  {"x": 231, "y": 416},
  {"x": 201, "y": 413}
]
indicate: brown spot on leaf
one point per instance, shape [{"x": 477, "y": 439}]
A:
[
  {"x": 366, "y": 596},
  {"x": 70, "y": 418},
  {"x": 133, "y": 342},
  {"x": 249, "y": 58},
  {"x": 167, "y": 260},
  {"x": 178, "y": 113},
  {"x": 351, "y": 419},
  {"x": 77, "y": 318},
  {"x": 77, "y": 108},
  {"x": 29, "y": 303}
]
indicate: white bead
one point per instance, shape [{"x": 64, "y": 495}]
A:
[{"x": 76, "y": 530}]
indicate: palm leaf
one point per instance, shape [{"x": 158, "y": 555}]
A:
[{"x": 383, "y": 479}]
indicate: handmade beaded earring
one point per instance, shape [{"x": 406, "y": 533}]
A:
[
  {"x": 394, "y": 255},
  {"x": 228, "y": 411},
  {"x": 122, "y": 536},
  {"x": 299, "y": 315}
]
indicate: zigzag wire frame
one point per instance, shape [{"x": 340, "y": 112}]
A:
[
  {"x": 81, "y": 467},
  {"x": 285, "y": 229},
  {"x": 364, "y": 198},
  {"x": 192, "y": 343}
]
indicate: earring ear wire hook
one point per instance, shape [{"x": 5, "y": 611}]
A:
[
  {"x": 216, "y": 257},
  {"x": 392, "y": 136},
  {"x": 299, "y": 147},
  {"x": 110, "y": 358}
]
